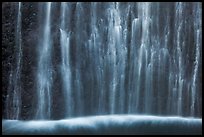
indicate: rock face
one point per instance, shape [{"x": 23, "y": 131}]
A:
[{"x": 76, "y": 59}]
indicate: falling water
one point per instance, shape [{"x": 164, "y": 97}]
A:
[
  {"x": 113, "y": 44},
  {"x": 13, "y": 103},
  {"x": 65, "y": 72},
  {"x": 198, "y": 43},
  {"x": 113, "y": 58},
  {"x": 44, "y": 75}
]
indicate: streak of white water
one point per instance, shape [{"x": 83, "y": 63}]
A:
[
  {"x": 13, "y": 102},
  {"x": 114, "y": 32},
  {"x": 197, "y": 37},
  {"x": 17, "y": 85},
  {"x": 65, "y": 65},
  {"x": 45, "y": 70}
]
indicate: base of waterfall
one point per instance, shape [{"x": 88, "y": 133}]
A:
[{"x": 105, "y": 125}]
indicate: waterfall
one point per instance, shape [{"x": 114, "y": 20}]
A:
[
  {"x": 103, "y": 58},
  {"x": 13, "y": 103},
  {"x": 113, "y": 43},
  {"x": 197, "y": 37},
  {"x": 44, "y": 76},
  {"x": 66, "y": 71}
]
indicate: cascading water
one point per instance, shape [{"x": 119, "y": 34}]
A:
[
  {"x": 65, "y": 72},
  {"x": 44, "y": 74},
  {"x": 87, "y": 59},
  {"x": 197, "y": 37},
  {"x": 13, "y": 102}
]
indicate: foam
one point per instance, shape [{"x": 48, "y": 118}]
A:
[{"x": 109, "y": 124}]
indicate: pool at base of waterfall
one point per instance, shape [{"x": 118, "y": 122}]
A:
[{"x": 106, "y": 125}]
